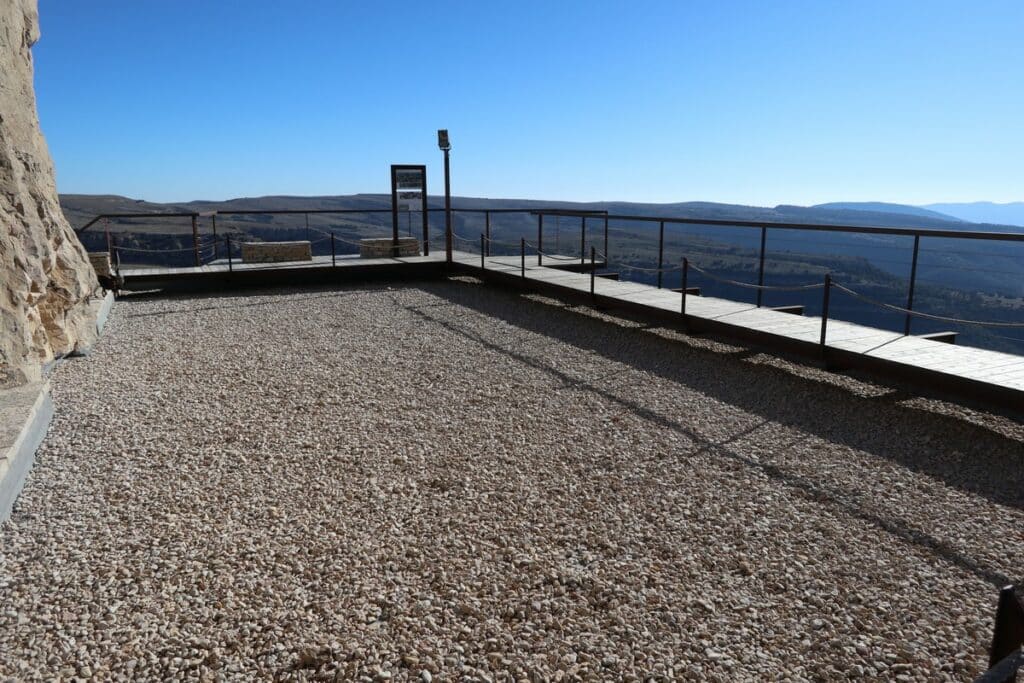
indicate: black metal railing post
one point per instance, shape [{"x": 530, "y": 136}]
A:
[
  {"x": 661, "y": 248},
  {"x": 216, "y": 242},
  {"x": 334, "y": 260},
  {"x": 913, "y": 279},
  {"x": 117, "y": 257},
  {"x": 606, "y": 237},
  {"x": 106, "y": 229},
  {"x": 593, "y": 268},
  {"x": 583, "y": 240},
  {"x": 448, "y": 246},
  {"x": 824, "y": 309},
  {"x": 487, "y": 230},
  {"x": 483, "y": 245},
  {"x": 1008, "y": 634},
  {"x": 760, "y": 267},
  {"x": 686, "y": 277},
  {"x": 230, "y": 260},
  {"x": 522, "y": 257},
  {"x": 307, "y": 227},
  {"x": 195, "y": 238},
  {"x": 540, "y": 238}
]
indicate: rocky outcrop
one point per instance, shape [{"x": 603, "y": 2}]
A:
[{"x": 45, "y": 277}]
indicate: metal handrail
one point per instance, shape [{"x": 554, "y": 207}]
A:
[
  {"x": 584, "y": 214},
  {"x": 823, "y": 227},
  {"x": 775, "y": 225}
]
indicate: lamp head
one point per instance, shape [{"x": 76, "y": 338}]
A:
[{"x": 442, "y": 140}]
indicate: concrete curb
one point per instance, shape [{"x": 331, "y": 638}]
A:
[
  {"x": 25, "y": 414},
  {"x": 32, "y": 405},
  {"x": 101, "y": 308},
  {"x": 103, "y": 312}
]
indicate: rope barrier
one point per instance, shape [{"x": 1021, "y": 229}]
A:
[
  {"x": 159, "y": 251},
  {"x": 928, "y": 316},
  {"x": 330, "y": 235},
  {"x": 464, "y": 239},
  {"x": 747, "y": 285},
  {"x": 649, "y": 270},
  {"x": 345, "y": 241},
  {"x": 506, "y": 244}
]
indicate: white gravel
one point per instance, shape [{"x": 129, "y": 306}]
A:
[{"x": 449, "y": 482}]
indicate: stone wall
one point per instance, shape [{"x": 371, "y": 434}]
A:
[
  {"x": 46, "y": 280},
  {"x": 384, "y": 247},
  {"x": 273, "y": 252}
]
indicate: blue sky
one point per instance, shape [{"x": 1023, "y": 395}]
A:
[{"x": 747, "y": 102}]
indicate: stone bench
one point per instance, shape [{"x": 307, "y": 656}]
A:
[
  {"x": 274, "y": 252},
  {"x": 383, "y": 247}
]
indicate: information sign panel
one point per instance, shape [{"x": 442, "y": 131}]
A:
[{"x": 409, "y": 193}]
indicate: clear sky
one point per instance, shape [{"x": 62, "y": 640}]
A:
[{"x": 756, "y": 102}]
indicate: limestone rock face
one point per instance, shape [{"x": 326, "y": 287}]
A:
[{"x": 46, "y": 280}]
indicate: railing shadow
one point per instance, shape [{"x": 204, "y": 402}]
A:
[{"x": 994, "y": 468}]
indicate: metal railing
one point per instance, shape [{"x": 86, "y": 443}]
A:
[{"x": 764, "y": 228}]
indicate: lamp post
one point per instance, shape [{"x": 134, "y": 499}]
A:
[{"x": 445, "y": 146}]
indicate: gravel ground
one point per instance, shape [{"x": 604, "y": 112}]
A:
[{"x": 447, "y": 482}]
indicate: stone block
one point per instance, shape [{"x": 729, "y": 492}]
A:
[
  {"x": 383, "y": 247},
  {"x": 274, "y": 252},
  {"x": 100, "y": 261}
]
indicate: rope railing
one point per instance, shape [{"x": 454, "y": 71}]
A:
[
  {"x": 330, "y": 235},
  {"x": 927, "y": 316},
  {"x": 346, "y": 241},
  {"x": 464, "y": 239},
  {"x": 491, "y": 240},
  {"x": 118, "y": 247},
  {"x": 749, "y": 285},
  {"x": 663, "y": 269}
]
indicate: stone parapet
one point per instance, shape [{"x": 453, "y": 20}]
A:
[
  {"x": 383, "y": 247},
  {"x": 273, "y": 252},
  {"x": 100, "y": 261}
]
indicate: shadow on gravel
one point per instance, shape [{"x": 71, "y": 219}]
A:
[{"x": 963, "y": 455}]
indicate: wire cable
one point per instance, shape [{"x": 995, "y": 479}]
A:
[
  {"x": 927, "y": 316},
  {"x": 747, "y": 285}
]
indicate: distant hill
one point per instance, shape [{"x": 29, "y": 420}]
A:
[
  {"x": 984, "y": 212},
  {"x": 885, "y": 207},
  {"x": 79, "y": 209}
]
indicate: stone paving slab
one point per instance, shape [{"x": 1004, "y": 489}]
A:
[{"x": 25, "y": 414}]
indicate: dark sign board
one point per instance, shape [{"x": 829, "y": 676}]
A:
[{"x": 409, "y": 193}]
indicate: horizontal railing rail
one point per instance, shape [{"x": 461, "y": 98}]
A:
[
  {"x": 765, "y": 226},
  {"x": 659, "y": 269},
  {"x": 822, "y": 227}
]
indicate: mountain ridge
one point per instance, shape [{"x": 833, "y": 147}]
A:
[
  {"x": 80, "y": 208},
  {"x": 887, "y": 207},
  {"x": 1010, "y": 213}
]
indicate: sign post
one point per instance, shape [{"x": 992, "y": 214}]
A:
[{"x": 409, "y": 192}]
